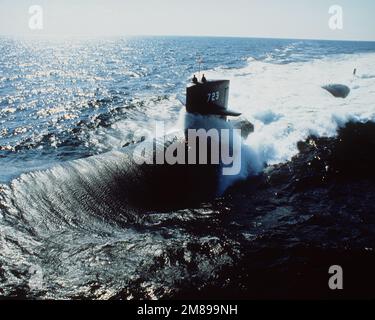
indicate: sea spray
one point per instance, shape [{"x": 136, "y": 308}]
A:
[{"x": 250, "y": 163}]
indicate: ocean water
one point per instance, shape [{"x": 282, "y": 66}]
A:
[
  {"x": 64, "y": 100},
  {"x": 63, "y": 232}
]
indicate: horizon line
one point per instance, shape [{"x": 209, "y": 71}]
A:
[{"x": 56, "y": 35}]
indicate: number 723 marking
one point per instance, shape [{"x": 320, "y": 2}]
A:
[{"x": 213, "y": 96}]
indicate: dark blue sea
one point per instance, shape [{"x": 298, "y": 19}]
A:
[{"x": 70, "y": 107}]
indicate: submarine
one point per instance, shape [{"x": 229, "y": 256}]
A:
[
  {"x": 186, "y": 183},
  {"x": 116, "y": 186}
]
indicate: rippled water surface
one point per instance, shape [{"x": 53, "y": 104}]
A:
[{"x": 70, "y": 112}]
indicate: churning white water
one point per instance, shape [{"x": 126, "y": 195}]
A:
[{"x": 286, "y": 103}]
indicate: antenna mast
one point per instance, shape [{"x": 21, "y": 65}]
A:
[{"x": 200, "y": 61}]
